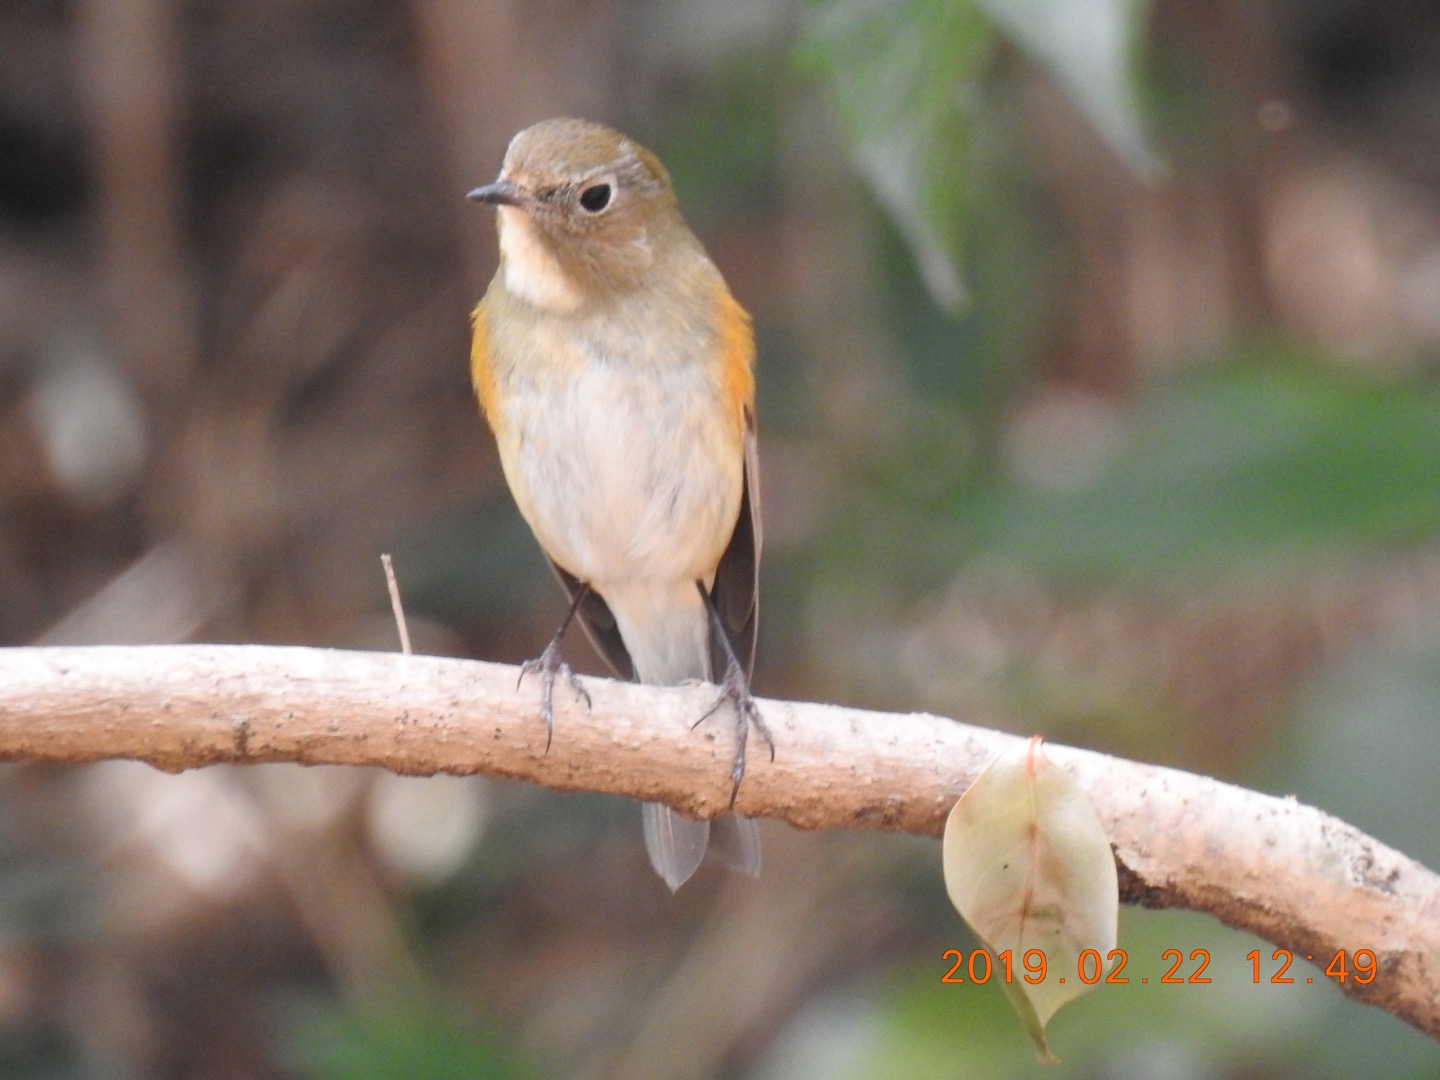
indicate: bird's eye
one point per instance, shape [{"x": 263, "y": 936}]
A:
[{"x": 595, "y": 197}]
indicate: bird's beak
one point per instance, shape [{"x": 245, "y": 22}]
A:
[{"x": 500, "y": 193}]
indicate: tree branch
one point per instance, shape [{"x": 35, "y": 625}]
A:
[{"x": 1287, "y": 872}]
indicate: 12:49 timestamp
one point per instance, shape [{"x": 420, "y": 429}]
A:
[
  {"x": 979, "y": 966},
  {"x": 1359, "y": 965}
]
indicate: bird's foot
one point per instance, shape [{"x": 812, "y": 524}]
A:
[
  {"x": 735, "y": 690},
  {"x": 547, "y": 665}
]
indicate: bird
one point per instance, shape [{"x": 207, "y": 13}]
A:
[{"x": 616, "y": 370}]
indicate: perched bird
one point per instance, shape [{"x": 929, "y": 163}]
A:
[{"x": 616, "y": 371}]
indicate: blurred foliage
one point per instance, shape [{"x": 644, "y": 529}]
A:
[
  {"x": 400, "y": 1045},
  {"x": 1281, "y": 461},
  {"x": 1088, "y": 47},
  {"x": 900, "y": 80},
  {"x": 909, "y": 83}
]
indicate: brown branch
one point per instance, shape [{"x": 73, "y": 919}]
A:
[{"x": 1288, "y": 872}]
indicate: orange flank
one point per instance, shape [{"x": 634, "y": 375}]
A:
[
  {"x": 737, "y": 340},
  {"x": 481, "y": 374}
]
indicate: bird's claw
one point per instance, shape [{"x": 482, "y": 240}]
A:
[
  {"x": 547, "y": 665},
  {"x": 735, "y": 689}
]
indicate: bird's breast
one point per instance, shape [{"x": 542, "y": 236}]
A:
[{"x": 626, "y": 470}]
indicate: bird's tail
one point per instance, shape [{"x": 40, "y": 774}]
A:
[
  {"x": 676, "y": 844},
  {"x": 668, "y": 638}
]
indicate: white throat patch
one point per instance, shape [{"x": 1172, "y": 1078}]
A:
[{"x": 531, "y": 272}]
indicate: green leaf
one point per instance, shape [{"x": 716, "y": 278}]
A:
[
  {"x": 904, "y": 79},
  {"x": 1029, "y": 868}
]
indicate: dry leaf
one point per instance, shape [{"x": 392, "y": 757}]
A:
[{"x": 1029, "y": 868}]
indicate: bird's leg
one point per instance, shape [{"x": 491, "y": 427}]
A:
[
  {"x": 735, "y": 689},
  {"x": 549, "y": 662}
]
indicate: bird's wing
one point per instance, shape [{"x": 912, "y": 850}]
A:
[
  {"x": 599, "y": 623},
  {"x": 736, "y": 591}
]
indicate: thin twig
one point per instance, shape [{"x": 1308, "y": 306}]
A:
[{"x": 395, "y": 605}]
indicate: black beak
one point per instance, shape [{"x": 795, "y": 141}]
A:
[{"x": 500, "y": 193}]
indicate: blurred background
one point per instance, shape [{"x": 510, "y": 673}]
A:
[{"x": 1099, "y": 397}]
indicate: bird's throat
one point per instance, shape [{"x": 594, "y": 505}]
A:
[{"x": 531, "y": 270}]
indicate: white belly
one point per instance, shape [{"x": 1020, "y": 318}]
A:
[{"x": 626, "y": 475}]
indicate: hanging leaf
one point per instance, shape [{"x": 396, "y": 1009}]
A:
[
  {"x": 1087, "y": 46},
  {"x": 1029, "y": 868},
  {"x": 904, "y": 79}
]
